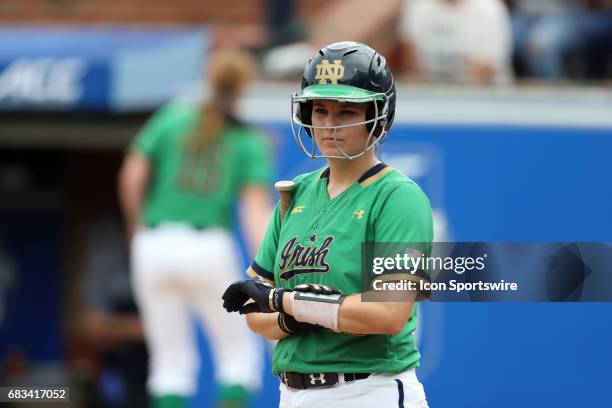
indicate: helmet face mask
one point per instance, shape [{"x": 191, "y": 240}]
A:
[
  {"x": 303, "y": 132},
  {"x": 346, "y": 72}
]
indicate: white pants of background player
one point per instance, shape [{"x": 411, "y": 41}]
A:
[
  {"x": 382, "y": 390},
  {"x": 180, "y": 272}
]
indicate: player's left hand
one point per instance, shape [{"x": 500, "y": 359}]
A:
[
  {"x": 267, "y": 298},
  {"x": 317, "y": 289}
]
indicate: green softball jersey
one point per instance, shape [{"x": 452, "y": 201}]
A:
[
  {"x": 199, "y": 189},
  {"x": 319, "y": 241}
]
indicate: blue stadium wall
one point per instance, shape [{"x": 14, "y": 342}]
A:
[{"x": 499, "y": 183}]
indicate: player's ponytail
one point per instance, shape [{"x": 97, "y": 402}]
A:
[{"x": 229, "y": 72}]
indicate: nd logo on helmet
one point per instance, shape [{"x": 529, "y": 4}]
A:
[{"x": 329, "y": 72}]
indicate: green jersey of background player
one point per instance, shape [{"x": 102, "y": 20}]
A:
[
  {"x": 198, "y": 186},
  {"x": 344, "y": 109},
  {"x": 187, "y": 169}
]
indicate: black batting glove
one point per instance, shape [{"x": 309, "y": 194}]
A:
[
  {"x": 267, "y": 298},
  {"x": 288, "y": 324}
]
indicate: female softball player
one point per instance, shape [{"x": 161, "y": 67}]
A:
[
  {"x": 185, "y": 170},
  {"x": 336, "y": 348}
]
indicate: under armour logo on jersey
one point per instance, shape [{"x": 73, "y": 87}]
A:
[
  {"x": 329, "y": 72},
  {"x": 298, "y": 209},
  {"x": 358, "y": 214},
  {"x": 321, "y": 378}
]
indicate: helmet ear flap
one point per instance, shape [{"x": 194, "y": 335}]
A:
[
  {"x": 381, "y": 125},
  {"x": 304, "y": 114}
]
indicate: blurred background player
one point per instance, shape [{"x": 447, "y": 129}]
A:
[
  {"x": 465, "y": 41},
  {"x": 186, "y": 169}
]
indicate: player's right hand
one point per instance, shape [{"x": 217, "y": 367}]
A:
[{"x": 265, "y": 296}]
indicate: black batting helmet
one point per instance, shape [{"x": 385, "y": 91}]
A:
[{"x": 346, "y": 72}]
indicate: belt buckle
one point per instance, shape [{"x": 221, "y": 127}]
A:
[{"x": 284, "y": 378}]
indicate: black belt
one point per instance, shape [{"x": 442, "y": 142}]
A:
[{"x": 301, "y": 381}]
